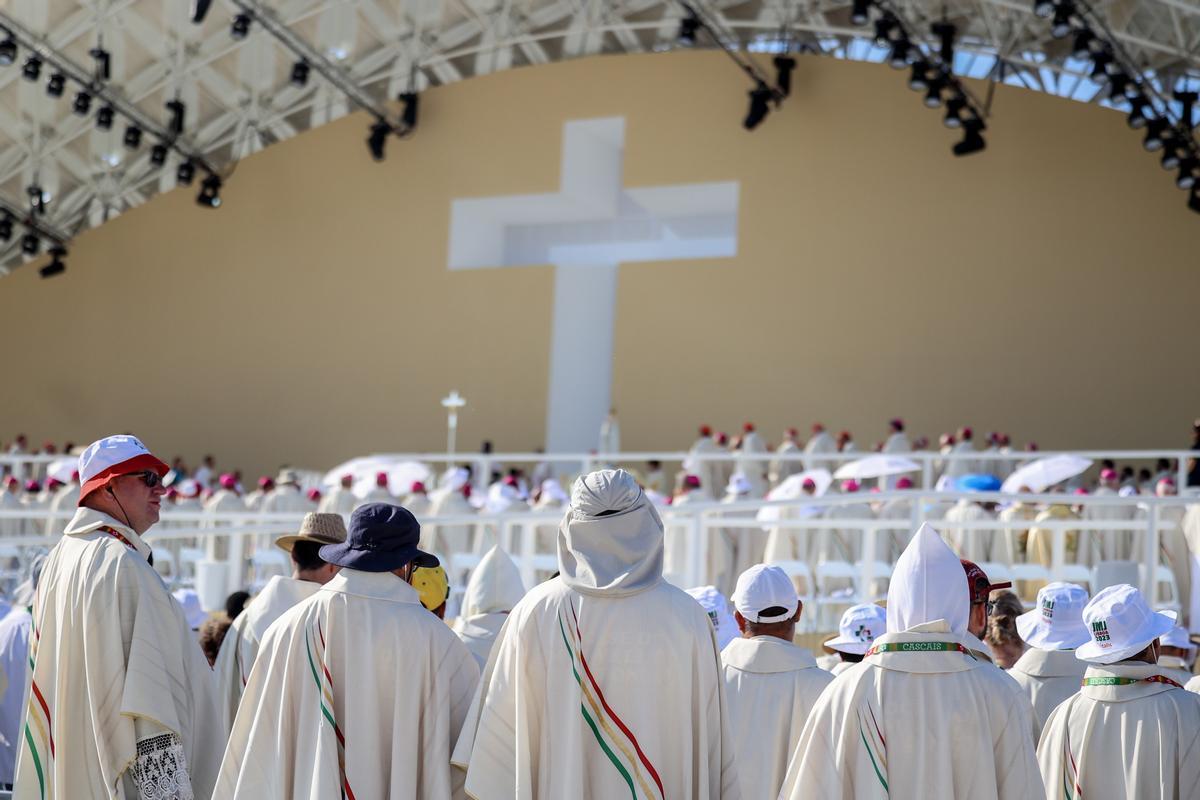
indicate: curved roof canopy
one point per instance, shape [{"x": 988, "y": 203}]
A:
[{"x": 239, "y": 93}]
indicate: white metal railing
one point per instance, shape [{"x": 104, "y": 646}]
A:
[{"x": 248, "y": 532}]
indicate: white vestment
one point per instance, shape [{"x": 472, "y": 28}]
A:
[
  {"x": 781, "y": 468},
  {"x": 958, "y": 467},
  {"x": 14, "y": 658},
  {"x": 62, "y": 507},
  {"x": 1048, "y": 677},
  {"x": 493, "y": 590},
  {"x": 377, "y": 495},
  {"x": 896, "y": 443},
  {"x": 821, "y": 450},
  {"x": 845, "y": 544},
  {"x": 1133, "y": 740},
  {"x": 115, "y": 665},
  {"x": 606, "y": 681},
  {"x": 10, "y": 502},
  {"x": 338, "y": 500},
  {"x": 752, "y": 462},
  {"x": 709, "y": 471},
  {"x": 974, "y": 545},
  {"x": 447, "y": 539},
  {"x": 240, "y": 646},
  {"x": 223, "y": 501},
  {"x": 419, "y": 504},
  {"x": 357, "y": 689},
  {"x": 771, "y": 685},
  {"x": 1110, "y": 545},
  {"x": 285, "y": 498},
  {"x": 920, "y": 717}
]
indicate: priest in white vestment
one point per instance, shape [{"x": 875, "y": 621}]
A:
[
  {"x": 493, "y": 590},
  {"x": 960, "y": 463},
  {"x": 1048, "y": 671},
  {"x": 379, "y": 493},
  {"x": 845, "y": 543},
  {"x": 227, "y": 499},
  {"x": 449, "y": 500},
  {"x": 771, "y": 684},
  {"x": 781, "y": 468},
  {"x": 821, "y": 449},
  {"x": 606, "y": 681},
  {"x": 244, "y": 637},
  {"x": 357, "y": 691},
  {"x": 896, "y": 443},
  {"x": 709, "y": 471},
  {"x": 340, "y": 499},
  {"x": 15, "y": 629},
  {"x": 122, "y": 702},
  {"x": 286, "y": 496},
  {"x": 751, "y": 460},
  {"x": 920, "y": 717},
  {"x": 10, "y": 500},
  {"x": 974, "y": 544},
  {"x": 417, "y": 500},
  {"x": 1108, "y": 545},
  {"x": 899, "y": 509},
  {"x": 1131, "y": 731},
  {"x": 858, "y": 628}
]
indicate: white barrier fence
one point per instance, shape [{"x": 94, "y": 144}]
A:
[{"x": 217, "y": 553}]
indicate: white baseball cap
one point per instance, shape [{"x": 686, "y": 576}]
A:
[
  {"x": 762, "y": 587},
  {"x": 112, "y": 457},
  {"x": 1177, "y": 637},
  {"x": 1056, "y": 622},
  {"x": 1121, "y": 625},
  {"x": 717, "y": 608},
  {"x": 859, "y": 626}
]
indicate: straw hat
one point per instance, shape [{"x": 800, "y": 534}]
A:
[{"x": 320, "y": 528}]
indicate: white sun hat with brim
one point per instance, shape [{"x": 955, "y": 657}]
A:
[
  {"x": 1056, "y": 621},
  {"x": 1121, "y": 625},
  {"x": 1177, "y": 637},
  {"x": 859, "y": 626}
]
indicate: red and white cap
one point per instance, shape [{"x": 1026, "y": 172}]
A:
[{"x": 112, "y": 457}]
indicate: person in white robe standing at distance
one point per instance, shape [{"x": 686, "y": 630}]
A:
[
  {"x": 122, "y": 702},
  {"x": 450, "y": 500},
  {"x": 340, "y": 499},
  {"x": 606, "y": 682},
  {"x": 820, "y": 449},
  {"x": 1110, "y": 545},
  {"x": 1048, "y": 671},
  {"x": 10, "y": 500},
  {"x": 752, "y": 460},
  {"x": 782, "y": 468},
  {"x": 15, "y": 628},
  {"x": 357, "y": 691},
  {"x": 610, "y": 436},
  {"x": 244, "y": 637},
  {"x": 380, "y": 492},
  {"x": 771, "y": 683},
  {"x": 417, "y": 500},
  {"x": 1131, "y": 731},
  {"x": 493, "y": 590},
  {"x": 961, "y": 446},
  {"x": 709, "y": 471},
  {"x": 858, "y": 628},
  {"x": 286, "y": 496},
  {"x": 920, "y": 717},
  {"x": 896, "y": 443}
]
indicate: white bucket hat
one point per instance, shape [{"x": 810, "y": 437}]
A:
[
  {"x": 1121, "y": 625},
  {"x": 1056, "y": 622},
  {"x": 1177, "y": 637},
  {"x": 858, "y": 629},
  {"x": 762, "y": 587},
  {"x": 717, "y": 608}
]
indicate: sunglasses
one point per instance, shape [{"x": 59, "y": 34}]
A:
[{"x": 149, "y": 478}]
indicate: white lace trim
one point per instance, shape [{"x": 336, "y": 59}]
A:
[{"x": 160, "y": 770}]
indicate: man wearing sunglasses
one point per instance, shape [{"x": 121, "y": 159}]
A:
[{"x": 121, "y": 700}]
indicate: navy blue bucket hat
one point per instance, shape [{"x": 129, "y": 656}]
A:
[{"x": 381, "y": 538}]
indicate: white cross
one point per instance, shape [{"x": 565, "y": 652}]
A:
[
  {"x": 452, "y": 403},
  {"x": 585, "y": 230}
]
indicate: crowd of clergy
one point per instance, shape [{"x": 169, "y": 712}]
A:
[{"x": 605, "y": 681}]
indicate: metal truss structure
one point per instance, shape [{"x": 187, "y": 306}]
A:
[{"x": 240, "y": 95}]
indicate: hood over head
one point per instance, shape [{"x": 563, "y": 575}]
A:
[
  {"x": 610, "y": 541},
  {"x": 494, "y": 587},
  {"x": 928, "y": 585}
]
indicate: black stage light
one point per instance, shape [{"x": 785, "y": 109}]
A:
[
  {"x": 37, "y": 198},
  {"x": 1043, "y": 8},
  {"x": 1082, "y": 48},
  {"x": 133, "y": 137},
  {"x": 103, "y": 62},
  {"x": 32, "y": 69},
  {"x": 760, "y": 106},
  {"x": 945, "y": 32},
  {"x": 1118, "y": 84},
  {"x": 158, "y": 154},
  {"x": 783, "y": 74},
  {"x": 104, "y": 117},
  {"x": 933, "y": 95},
  {"x": 56, "y": 266},
  {"x": 1140, "y": 111},
  {"x": 1187, "y": 173},
  {"x": 1155, "y": 129},
  {"x": 8, "y": 50},
  {"x": 883, "y": 29},
  {"x": 954, "y": 108},
  {"x": 917, "y": 81},
  {"x": 377, "y": 141},
  {"x": 200, "y": 10},
  {"x": 185, "y": 173},
  {"x": 178, "y": 111},
  {"x": 56, "y": 84},
  {"x": 241, "y": 26},
  {"x": 1194, "y": 200},
  {"x": 210, "y": 192},
  {"x": 82, "y": 104},
  {"x": 898, "y": 58},
  {"x": 860, "y": 12},
  {"x": 972, "y": 138},
  {"x": 408, "y": 114},
  {"x": 689, "y": 26},
  {"x": 1100, "y": 63},
  {"x": 6, "y": 227},
  {"x": 31, "y": 243},
  {"x": 1062, "y": 24},
  {"x": 1171, "y": 152},
  {"x": 300, "y": 73}
]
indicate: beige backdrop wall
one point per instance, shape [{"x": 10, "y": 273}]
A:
[{"x": 1046, "y": 287}]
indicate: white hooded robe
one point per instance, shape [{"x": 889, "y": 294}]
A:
[{"x": 493, "y": 590}]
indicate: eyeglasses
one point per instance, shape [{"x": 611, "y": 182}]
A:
[
  {"x": 149, "y": 478},
  {"x": 991, "y": 607}
]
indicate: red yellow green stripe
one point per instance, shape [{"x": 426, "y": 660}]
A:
[
  {"x": 616, "y": 762},
  {"x": 877, "y": 754},
  {"x": 37, "y": 762},
  {"x": 327, "y": 710}
]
